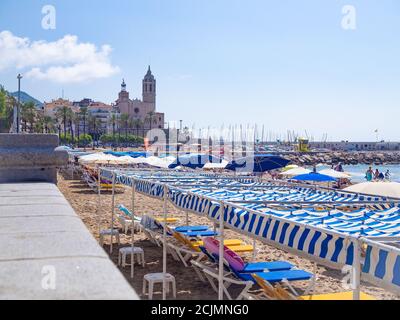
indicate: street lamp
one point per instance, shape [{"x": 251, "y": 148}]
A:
[{"x": 19, "y": 77}]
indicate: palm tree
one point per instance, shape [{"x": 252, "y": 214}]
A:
[
  {"x": 77, "y": 124},
  {"x": 6, "y": 103},
  {"x": 39, "y": 123},
  {"x": 64, "y": 113},
  {"x": 124, "y": 120},
  {"x": 84, "y": 114},
  {"x": 113, "y": 121},
  {"x": 94, "y": 128},
  {"x": 48, "y": 124},
  {"x": 149, "y": 118},
  {"x": 137, "y": 123},
  {"x": 28, "y": 115}
]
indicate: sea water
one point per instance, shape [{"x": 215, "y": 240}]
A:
[{"x": 358, "y": 171}]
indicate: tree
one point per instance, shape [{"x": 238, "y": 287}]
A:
[
  {"x": 28, "y": 115},
  {"x": 124, "y": 120},
  {"x": 84, "y": 114},
  {"x": 94, "y": 127},
  {"x": 48, "y": 124},
  {"x": 64, "y": 114},
  {"x": 6, "y": 104},
  {"x": 113, "y": 121},
  {"x": 39, "y": 123},
  {"x": 149, "y": 118},
  {"x": 137, "y": 123}
]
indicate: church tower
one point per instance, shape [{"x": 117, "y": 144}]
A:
[
  {"x": 123, "y": 95},
  {"x": 149, "y": 89}
]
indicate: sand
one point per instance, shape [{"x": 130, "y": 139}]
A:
[{"x": 85, "y": 203}]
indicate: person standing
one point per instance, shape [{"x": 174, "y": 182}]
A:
[
  {"x": 387, "y": 175},
  {"x": 369, "y": 174}
]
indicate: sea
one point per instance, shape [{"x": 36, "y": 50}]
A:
[{"x": 358, "y": 171}]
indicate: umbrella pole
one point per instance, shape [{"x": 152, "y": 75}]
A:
[
  {"x": 187, "y": 218},
  {"x": 165, "y": 245},
  {"x": 221, "y": 253},
  {"x": 133, "y": 229},
  {"x": 112, "y": 210},
  {"x": 254, "y": 249}
]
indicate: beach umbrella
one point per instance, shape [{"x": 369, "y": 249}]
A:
[
  {"x": 62, "y": 148},
  {"x": 295, "y": 172},
  {"x": 258, "y": 163},
  {"x": 314, "y": 176},
  {"x": 126, "y": 160},
  {"x": 211, "y": 165},
  {"x": 335, "y": 174},
  {"x": 194, "y": 160},
  {"x": 95, "y": 157},
  {"x": 133, "y": 154},
  {"x": 160, "y": 162},
  {"x": 289, "y": 167},
  {"x": 384, "y": 189}
]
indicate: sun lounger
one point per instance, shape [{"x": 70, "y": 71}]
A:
[
  {"x": 227, "y": 282},
  {"x": 187, "y": 249},
  {"x": 125, "y": 219},
  {"x": 347, "y": 295},
  {"x": 279, "y": 293},
  {"x": 191, "y": 228},
  {"x": 237, "y": 263},
  {"x": 272, "y": 272}
]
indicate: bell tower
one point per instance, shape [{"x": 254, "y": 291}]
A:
[
  {"x": 149, "y": 88},
  {"x": 123, "y": 95}
]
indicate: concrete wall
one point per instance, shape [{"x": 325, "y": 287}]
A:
[
  {"x": 30, "y": 157},
  {"x": 46, "y": 252}
]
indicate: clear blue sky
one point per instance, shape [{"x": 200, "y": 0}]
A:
[{"x": 287, "y": 64}]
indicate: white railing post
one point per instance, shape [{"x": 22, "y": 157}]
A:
[
  {"x": 112, "y": 211},
  {"x": 165, "y": 243},
  {"x": 133, "y": 228},
  {"x": 356, "y": 270},
  {"x": 221, "y": 253}
]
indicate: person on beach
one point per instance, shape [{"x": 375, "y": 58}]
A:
[
  {"x": 376, "y": 174},
  {"x": 369, "y": 174},
  {"x": 387, "y": 175},
  {"x": 381, "y": 176}
]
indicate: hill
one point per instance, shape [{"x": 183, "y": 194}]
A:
[{"x": 27, "y": 98}]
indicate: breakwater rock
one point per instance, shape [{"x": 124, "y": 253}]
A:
[{"x": 334, "y": 157}]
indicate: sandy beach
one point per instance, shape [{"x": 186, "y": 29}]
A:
[{"x": 85, "y": 203}]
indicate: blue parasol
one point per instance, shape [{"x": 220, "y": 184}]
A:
[
  {"x": 194, "y": 160},
  {"x": 314, "y": 176},
  {"x": 258, "y": 163}
]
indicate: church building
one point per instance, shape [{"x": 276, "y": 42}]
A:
[{"x": 143, "y": 111}]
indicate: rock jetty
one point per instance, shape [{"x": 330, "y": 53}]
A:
[{"x": 334, "y": 157}]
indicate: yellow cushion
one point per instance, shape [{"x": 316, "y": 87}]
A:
[
  {"x": 239, "y": 249},
  {"x": 168, "y": 219},
  {"x": 227, "y": 242},
  {"x": 348, "y": 295}
]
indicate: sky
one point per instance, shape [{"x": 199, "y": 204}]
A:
[{"x": 305, "y": 66}]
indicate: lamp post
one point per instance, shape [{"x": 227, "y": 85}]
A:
[{"x": 19, "y": 77}]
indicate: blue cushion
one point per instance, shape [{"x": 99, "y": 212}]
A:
[
  {"x": 271, "y": 266},
  {"x": 125, "y": 210},
  {"x": 191, "y": 228},
  {"x": 290, "y": 275},
  {"x": 200, "y": 233}
]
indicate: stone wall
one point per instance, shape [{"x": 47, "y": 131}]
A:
[{"x": 30, "y": 158}]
